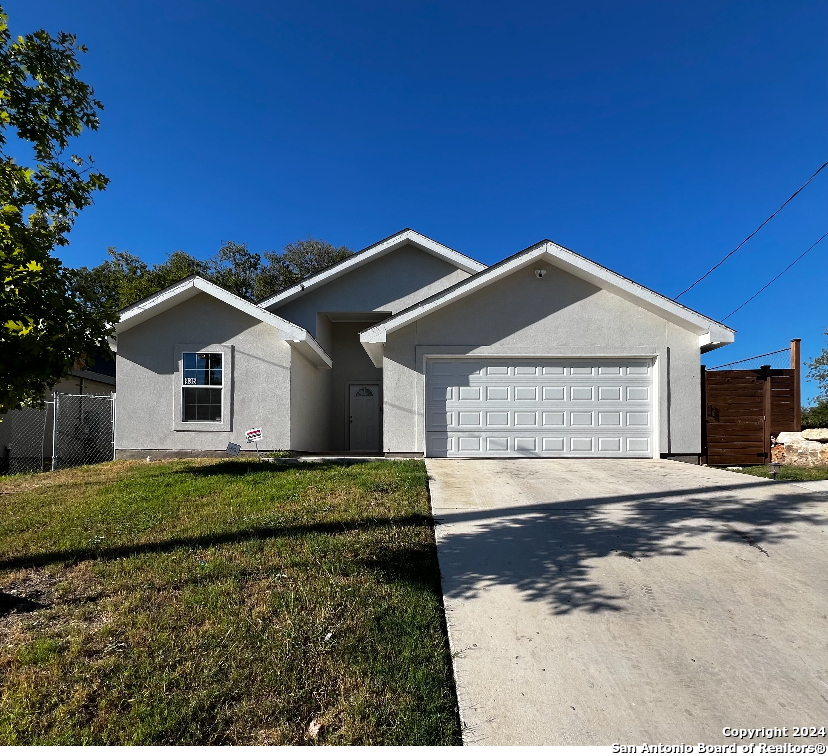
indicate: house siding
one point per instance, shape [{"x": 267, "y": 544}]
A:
[
  {"x": 147, "y": 380},
  {"x": 558, "y": 315},
  {"x": 310, "y": 406},
  {"x": 389, "y": 283}
]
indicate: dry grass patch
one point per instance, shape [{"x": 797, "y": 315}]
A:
[{"x": 197, "y": 602}]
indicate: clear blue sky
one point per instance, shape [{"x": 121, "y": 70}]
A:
[{"x": 651, "y": 137}]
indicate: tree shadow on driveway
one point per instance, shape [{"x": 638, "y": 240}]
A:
[{"x": 549, "y": 550}]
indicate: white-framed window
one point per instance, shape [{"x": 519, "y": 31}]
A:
[
  {"x": 202, "y": 386},
  {"x": 202, "y": 378}
]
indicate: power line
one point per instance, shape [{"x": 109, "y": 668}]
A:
[
  {"x": 755, "y": 232},
  {"x": 750, "y": 359},
  {"x": 779, "y": 276}
]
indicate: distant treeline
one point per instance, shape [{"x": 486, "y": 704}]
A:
[{"x": 124, "y": 278}]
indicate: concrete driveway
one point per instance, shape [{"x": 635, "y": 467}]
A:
[{"x": 591, "y": 602}]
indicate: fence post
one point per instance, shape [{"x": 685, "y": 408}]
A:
[
  {"x": 703, "y": 455},
  {"x": 766, "y": 377},
  {"x": 54, "y": 434},
  {"x": 112, "y": 399},
  {"x": 795, "y": 366}
]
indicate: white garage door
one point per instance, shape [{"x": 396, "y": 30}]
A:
[{"x": 539, "y": 408}]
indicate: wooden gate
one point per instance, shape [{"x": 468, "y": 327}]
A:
[{"x": 742, "y": 409}]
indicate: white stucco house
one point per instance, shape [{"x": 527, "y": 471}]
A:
[{"x": 411, "y": 348}]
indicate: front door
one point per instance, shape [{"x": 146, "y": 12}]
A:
[{"x": 364, "y": 415}]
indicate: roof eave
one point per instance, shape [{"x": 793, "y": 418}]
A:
[
  {"x": 408, "y": 236},
  {"x": 174, "y": 295},
  {"x": 577, "y": 265}
]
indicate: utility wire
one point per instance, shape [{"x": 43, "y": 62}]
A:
[
  {"x": 754, "y": 233},
  {"x": 750, "y": 359},
  {"x": 779, "y": 276}
]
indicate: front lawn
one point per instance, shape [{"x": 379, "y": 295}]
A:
[
  {"x": 238, "y": 602},
  {"x": 789, "y": 473}
]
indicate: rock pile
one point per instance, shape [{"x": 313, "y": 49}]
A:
[{"x": 808, "y": 448}]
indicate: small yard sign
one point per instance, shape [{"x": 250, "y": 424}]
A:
[{"x": 254, "y": 434}]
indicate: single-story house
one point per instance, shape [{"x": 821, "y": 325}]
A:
[{"x": 411, "y": 348}]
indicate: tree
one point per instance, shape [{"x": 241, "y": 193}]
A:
[
  {"x": 295, "y": 263},
  {"x": 817, "y": 416},
  {"x": 124, "y": 279},
  {"x": 818, "y": 371},
  {"x": 46, "y": 325},
  {"x": 236, "y": 269}
]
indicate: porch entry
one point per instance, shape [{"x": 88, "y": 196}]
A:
[{"x": 364, "y": 417}]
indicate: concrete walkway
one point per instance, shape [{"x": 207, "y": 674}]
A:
[
  {"x": 820, "y": 486},
  {"x": 599, "y": 601}
]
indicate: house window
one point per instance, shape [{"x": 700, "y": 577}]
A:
[{"x": 202, "y": 387}]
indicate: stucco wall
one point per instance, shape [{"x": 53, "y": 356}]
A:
[
  {"x": 350, "y": 363},
  {"x": 387, "y": 284},
  {"x": 310, "y": 405},
  {"x": 323, "y": 333},
  {"x": 147, "y": 381},
  {"x": 558, "y": 315}
]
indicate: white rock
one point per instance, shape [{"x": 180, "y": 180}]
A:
[
  {"x": 797, "y": 450},
  {"x": 815, "y": 434}
]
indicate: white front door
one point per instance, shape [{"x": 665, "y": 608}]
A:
[
  {"x": 539, "y": 407},
  {"x": 364, "y": 414}
]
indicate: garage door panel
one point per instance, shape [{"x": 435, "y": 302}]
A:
[
  {"x": 638, "y": 445},
  {"x": 638, "y": 393},
  {"x": 609, "y": 393},
  {"x": 497, "y": 393},
  {"x": 554, "y": 419},
  {"x": 470, "y": 419},
  {"x": 469, "y": 444},
  {"x": 539, "y": 407},
  {"x": 580, "y": 443},
  {"x": 554, "y": 393},
  {"x": 580, "y": 419},
  {"x": 553, "y": 444}
]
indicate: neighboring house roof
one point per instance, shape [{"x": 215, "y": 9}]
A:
[
  {"x": 91, "y": 375},
  {"x": 179, "y": 292},
  {"x": 711, "y": 333},
  {"x": 98, "y": 367},
  {"x": 406, "y": 236}
]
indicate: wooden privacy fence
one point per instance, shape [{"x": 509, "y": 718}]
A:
[{"x": 742, "y": 409}]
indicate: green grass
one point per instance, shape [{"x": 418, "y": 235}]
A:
[
  {"x": 789, "y": 473},
  {"x": 194, "y": 602}
]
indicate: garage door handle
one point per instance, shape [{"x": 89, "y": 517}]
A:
[{"x": 351, "y": 420}]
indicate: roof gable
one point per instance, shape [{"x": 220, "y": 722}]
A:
[
  {"x": 183, "y": 290},
  {"x": 407, "y": 236},
  {"x": 711, "y": 333}
]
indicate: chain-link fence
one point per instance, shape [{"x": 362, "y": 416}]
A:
[
  {"x": 778, "y": 360},
  {"x": 71, "y": 430}
]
